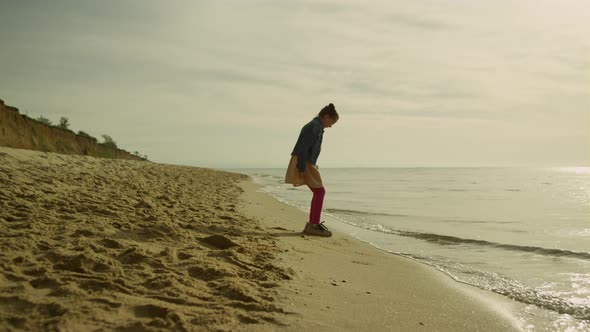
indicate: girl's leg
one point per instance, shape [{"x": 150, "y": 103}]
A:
[
  {"x": 316, "y": 204},
  {"x": 312, "y": 210}
]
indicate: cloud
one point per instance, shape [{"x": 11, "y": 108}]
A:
[
  {"x": 261, "y": 69},
  {"x": 416, "y": 21}
]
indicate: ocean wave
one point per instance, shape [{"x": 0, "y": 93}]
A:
[
  {"x": 452, "y": 240},
  {"x": 346, "y": 211},
  {"x": 514, "y": 289},
  {"x": 499, "y": 284},
  {"x": 447, "y": 239},
  {"x": 477, "y": 221}
]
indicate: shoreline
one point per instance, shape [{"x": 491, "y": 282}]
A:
[
  {"x": 344, "y": 283},
  {"x": 91, "y": 243}
]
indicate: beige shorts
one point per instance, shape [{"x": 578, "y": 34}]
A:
[{"x": 311, "y": 175}]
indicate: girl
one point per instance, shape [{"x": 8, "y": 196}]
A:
[{"x": 302, "y": 167}]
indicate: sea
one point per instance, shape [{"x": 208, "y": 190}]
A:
[{"x": 520, "y": 232}]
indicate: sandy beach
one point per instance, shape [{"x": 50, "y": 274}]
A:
[{"x": 101, "y": 244}]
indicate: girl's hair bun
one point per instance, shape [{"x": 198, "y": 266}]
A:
[{"x": 330, "y": 110}]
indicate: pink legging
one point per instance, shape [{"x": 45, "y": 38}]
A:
[{"x": 316, "y": 204}]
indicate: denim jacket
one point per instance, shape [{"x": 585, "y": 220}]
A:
[{"x": 309, "y": 143}]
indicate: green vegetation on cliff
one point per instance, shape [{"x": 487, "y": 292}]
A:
[{"x": 20, "y": 131}]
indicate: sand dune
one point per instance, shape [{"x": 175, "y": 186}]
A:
[
  {"x": 20, "y": 131},
  {"x": 92, "y": 243}
]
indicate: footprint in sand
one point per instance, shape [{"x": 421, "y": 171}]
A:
[
  {"x": 44, "y": 282},
  {"x": 110, "y": 243},
  {"x": 183, "y": 256},
  {"x": 218, "y": 241},
  {"x": 210, "y": 273},
  {"x": 150, "y": 311}
]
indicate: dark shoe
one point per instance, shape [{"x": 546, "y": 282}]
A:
[{"x": 317, "y": 229}]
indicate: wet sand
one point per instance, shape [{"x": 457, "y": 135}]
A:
[{"x": 344, "y": 284}]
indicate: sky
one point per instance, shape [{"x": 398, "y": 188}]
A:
[{"x": 227, "y": 84}]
